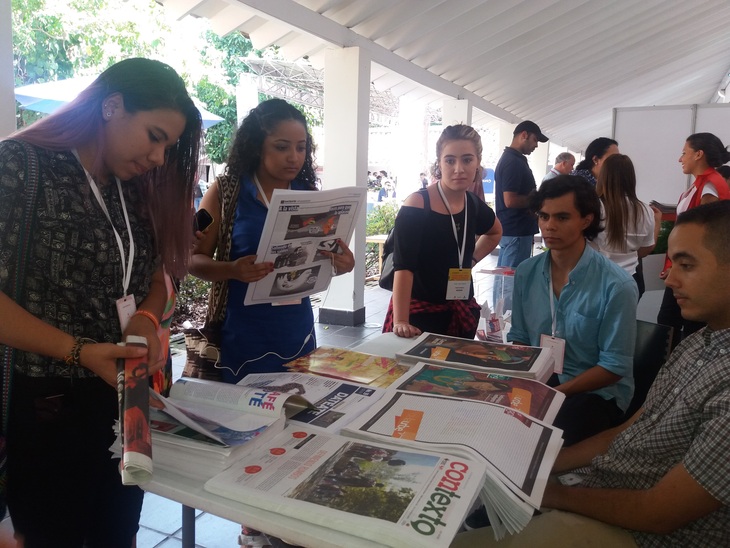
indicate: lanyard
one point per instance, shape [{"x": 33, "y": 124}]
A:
[
  {"x": 261, "y": 190},
  {"x": 126, "y": 265},
  {"x": 461, "y": 249},
  {"x": 553, "y": 314}
]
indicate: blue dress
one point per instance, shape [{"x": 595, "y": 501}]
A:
[{"x": 252, "y": 334}]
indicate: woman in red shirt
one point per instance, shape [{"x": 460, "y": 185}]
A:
[{"x": 702, "y": 153}]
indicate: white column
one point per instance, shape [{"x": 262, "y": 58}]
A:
[
  {"x": 247, "y": 95},
  {"x": 456, "y": 111},
  {"x": 538, "y": 161},
  {"x": 410, "y": 158},
  {"x": 346, "y": 120},
  {"x": 7, "y": 83}
]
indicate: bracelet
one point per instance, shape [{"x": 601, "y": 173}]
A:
[
  {"x": 73, "y": 358},
  {"x": 150, "y": 316}
]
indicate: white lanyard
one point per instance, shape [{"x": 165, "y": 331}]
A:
[
  {"x": 126, "y": 265},
  {"x": 461, "y": 249},
  {"x": 553, "y": 314},
  {"x": 261, "y": 190}
]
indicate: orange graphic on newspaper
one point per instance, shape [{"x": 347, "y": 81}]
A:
[
  {"x": 520, "y": 399},
  {"x": 407, "y": 424},
  {"x": 439, "y": 353}
]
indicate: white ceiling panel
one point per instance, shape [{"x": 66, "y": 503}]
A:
[{"x": 562, "y": 63}]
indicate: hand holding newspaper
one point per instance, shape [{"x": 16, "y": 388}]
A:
[{"x": 300, "y": 231}]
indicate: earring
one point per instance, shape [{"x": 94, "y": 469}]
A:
[{"x": 108, "y": 114}]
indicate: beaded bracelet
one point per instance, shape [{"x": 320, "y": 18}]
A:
[
  {"x": 73, "y": 358},
  {"x": 149, "y": 315}
]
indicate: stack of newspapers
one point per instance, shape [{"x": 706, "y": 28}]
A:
[
  {"x": 531, "y": 362},
  {"x": 401, "y": 473}
]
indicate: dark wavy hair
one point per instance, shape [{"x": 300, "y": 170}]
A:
[
  {"x": 716, "y": 154},
  {"x": 244, "y": 157},
  {"x": 596, "y": 149},
  {"x": 458, "y": 132},
  {"x": 167, "y": 190},
  {"x": 585, "y": 197}
]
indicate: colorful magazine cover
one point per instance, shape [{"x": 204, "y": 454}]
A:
[{"x": 344, "y": 364}]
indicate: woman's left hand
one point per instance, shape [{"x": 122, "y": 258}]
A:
[
  {"x": 143, "y": 327},
  {"x": 342, "y": 262}
]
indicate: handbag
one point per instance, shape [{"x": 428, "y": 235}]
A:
[
  {"x": 387, "y": 272},
  {"x": 203, "y": 344},
  {"x": 17, "y": 285}
]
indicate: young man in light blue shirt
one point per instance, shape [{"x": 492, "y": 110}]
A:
[{"x": 573, "y": 296}]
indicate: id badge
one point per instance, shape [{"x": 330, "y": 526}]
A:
[
  {"x": 558, "y": 347},
  {"x": 459, "y": 282},
  {"x": 125, "y": 308}
]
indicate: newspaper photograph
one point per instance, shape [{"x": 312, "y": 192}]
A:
[
  {"x": 519, "y": 449},
  {"x": 397, "y": 497},
  {"x": 335, "y": 402},
  {"x": 299, "y": 227}
]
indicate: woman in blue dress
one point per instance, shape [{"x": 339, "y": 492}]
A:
[{"x": 272, "y": 149}]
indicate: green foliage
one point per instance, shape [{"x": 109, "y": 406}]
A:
[
  {"x": 381, "y": 219},
  {"x": 220, "y": 102},
  {"x": 193, "y": 291},
  {"x": 381, "y": 503},
  {"x": 235, "y": 46}
]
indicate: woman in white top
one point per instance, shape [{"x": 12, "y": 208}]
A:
[{"x": 630, "y": 226}]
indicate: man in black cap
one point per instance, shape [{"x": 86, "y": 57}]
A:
[{"x": 513, "y": 183}]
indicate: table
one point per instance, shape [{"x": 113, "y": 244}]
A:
[
  {"x": 380, "y": 240},
  {"x": 191, "y": 494}
]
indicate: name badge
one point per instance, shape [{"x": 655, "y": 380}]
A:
[
  {"x": 558, "y": 347},
  {"x": 125, "y": 308},
  {"x": 459, "y": 283}
]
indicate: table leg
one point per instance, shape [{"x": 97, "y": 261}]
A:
[{"x": 188, "y": 527}]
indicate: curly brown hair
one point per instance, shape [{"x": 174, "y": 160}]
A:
[{"x": 245, "y": 154}]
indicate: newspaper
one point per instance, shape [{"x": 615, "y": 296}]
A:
[
  {"x": 531, "y": 362},
  {"x": 298, "y": 228},
  {"x": 133, "y": 426},
  {"x": 524, "y": 395},
  {"x": 519, "y": 451},
  {"x": 344, "y": 364},
  {"x": 335, "y": 403},
  {"x": 397, "y": 497},
  {"x": 226, "y": 413}
]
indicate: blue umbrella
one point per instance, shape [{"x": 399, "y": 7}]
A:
[{"x": 49, "y": 96}]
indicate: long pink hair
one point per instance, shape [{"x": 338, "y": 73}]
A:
[{"x": 167, "y": 190}]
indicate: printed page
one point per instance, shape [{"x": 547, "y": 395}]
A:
[
  {"x": 335, "y": 403},
  {"x": 225, "y": 412},
  {"x": 132, "y": 387},
  {"x": 520, "y": 449},
  {"x": 524, "y": 395},
  {"x": 341, "y": 363},
  {"x": 299, "y": 227},
  {"x": 397, "y": 497}
]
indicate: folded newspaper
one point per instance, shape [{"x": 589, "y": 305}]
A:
[
  {"x": 398, "y": 497},
  {"x": 133, "y": 430},
  {"x": 518, "y": 450},
  {"x": 300, "y": 232}
]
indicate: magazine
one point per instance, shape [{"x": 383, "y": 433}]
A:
[
  {"x": 347, "y": 365},
  {"x": 335, "y": 403},
  {"x": 227, "y": 413},
  {"x": 527, "y": 396},
  {"x": 531, "y": 362},
  {"x": 299, "y": 227},
  {"x": 518, "y": 450},
  {"x": 666, "y": 209},
  {"x": 133, "y": 427},
  {"x": 393, "y": 496}
]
